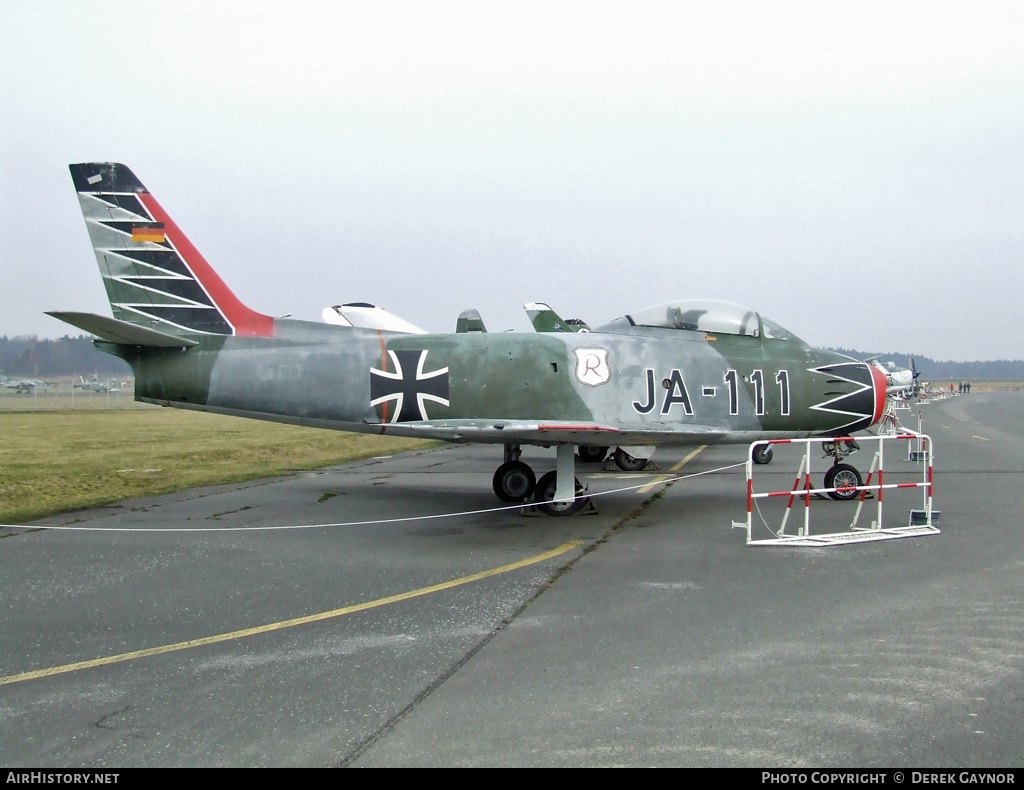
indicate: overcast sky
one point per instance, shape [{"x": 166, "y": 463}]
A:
[{"x": 854, "y": 171}]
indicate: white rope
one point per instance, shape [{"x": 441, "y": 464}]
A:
[{"x": 369, "y": 522}]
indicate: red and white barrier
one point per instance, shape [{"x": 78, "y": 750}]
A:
[{"x": 839, "y": 499}]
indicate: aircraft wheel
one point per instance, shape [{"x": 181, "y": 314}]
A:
[
  {"x": 591, "y": 455},
  {"x": 842, "y": 476},
  {"x": 545, "y": 495},
  {"x": 762, "y": 454},
  {"x": 628, "y": 463},
  {"x": 514, "y": 481}
]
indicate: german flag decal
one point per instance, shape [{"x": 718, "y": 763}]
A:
[{"x": 153, "y": 232}]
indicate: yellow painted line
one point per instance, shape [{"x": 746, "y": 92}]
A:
[
  {"x": 689, "y": 458},
  {"x": 980, "y": 437},
  {"x": 662, "y": 478},
  {"x": 312, "y": 618}
]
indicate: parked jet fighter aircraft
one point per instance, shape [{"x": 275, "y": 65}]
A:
[
  {"x": 25, "y": 385},
  {"x": 95, "y": 385},
  {"x": 900, "y": 382},
  {"x": 680, "y": 373}
]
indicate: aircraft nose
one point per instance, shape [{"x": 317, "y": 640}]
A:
[{"x": 880, "y": 384}]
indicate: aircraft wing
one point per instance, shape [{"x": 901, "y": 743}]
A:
[{"x": 548, "y": 432}]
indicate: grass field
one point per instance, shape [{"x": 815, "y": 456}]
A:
[
  {"x": 56, "y": 461},
  {"x": 59, "y": 453}
]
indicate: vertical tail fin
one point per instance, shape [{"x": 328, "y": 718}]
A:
[{"x": 153, "y": 275}]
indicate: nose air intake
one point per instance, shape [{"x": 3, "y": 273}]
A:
[{"x": 880, "y": 385}]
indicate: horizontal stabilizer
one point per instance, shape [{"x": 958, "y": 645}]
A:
[{"x": 121, "y": 332}]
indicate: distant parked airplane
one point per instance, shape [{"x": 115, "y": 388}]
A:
[
  {"x": 98, "y": 386},
  {"x": 25, "y": 385},
  {"x": 900, "y": 382}
]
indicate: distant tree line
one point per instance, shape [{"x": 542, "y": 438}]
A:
[
  {"x": 76, "y": 356},
  {"x": 31, "y": 357},
  {"x": 934, "y": 370}
]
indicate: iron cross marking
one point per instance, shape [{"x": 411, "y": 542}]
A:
[{"x": 408, "y": 386}]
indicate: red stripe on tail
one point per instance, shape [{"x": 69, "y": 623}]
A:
[{"x": 244, "y": 320}]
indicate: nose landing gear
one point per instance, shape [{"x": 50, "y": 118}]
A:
[
  {"x": 843, "y": 477},
  {"x": 762, "y": 454}
]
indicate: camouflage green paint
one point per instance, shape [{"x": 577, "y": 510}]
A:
[{"x": 680, "y": 373}]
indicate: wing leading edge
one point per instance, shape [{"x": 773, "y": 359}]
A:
[{"x": 550, "y": 432}]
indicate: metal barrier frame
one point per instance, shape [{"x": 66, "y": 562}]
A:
[{"x": 803, "y": 490}]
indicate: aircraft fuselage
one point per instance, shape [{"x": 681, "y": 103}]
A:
[{"x": 647, "y": 384}]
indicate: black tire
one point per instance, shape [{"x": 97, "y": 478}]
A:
[
  {"x": 762, "y": 454},
  {"x": 514, "y": 481},
  {"x": 626, "y": 462},
  {"x": 591, "y": 455},
  {"x": 843, "y": 476},
  {"x": 544, "y": 496}
]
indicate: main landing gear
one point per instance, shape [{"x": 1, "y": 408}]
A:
[
  {"x": 622, "y": 459},
  {"x": 514, "y": 481},
  {"x": 626, "y": 462},
  {"x": 841, "y": 476},
  {"x": 544, "y": 496},
  {"x": 591, "y": 455}
]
